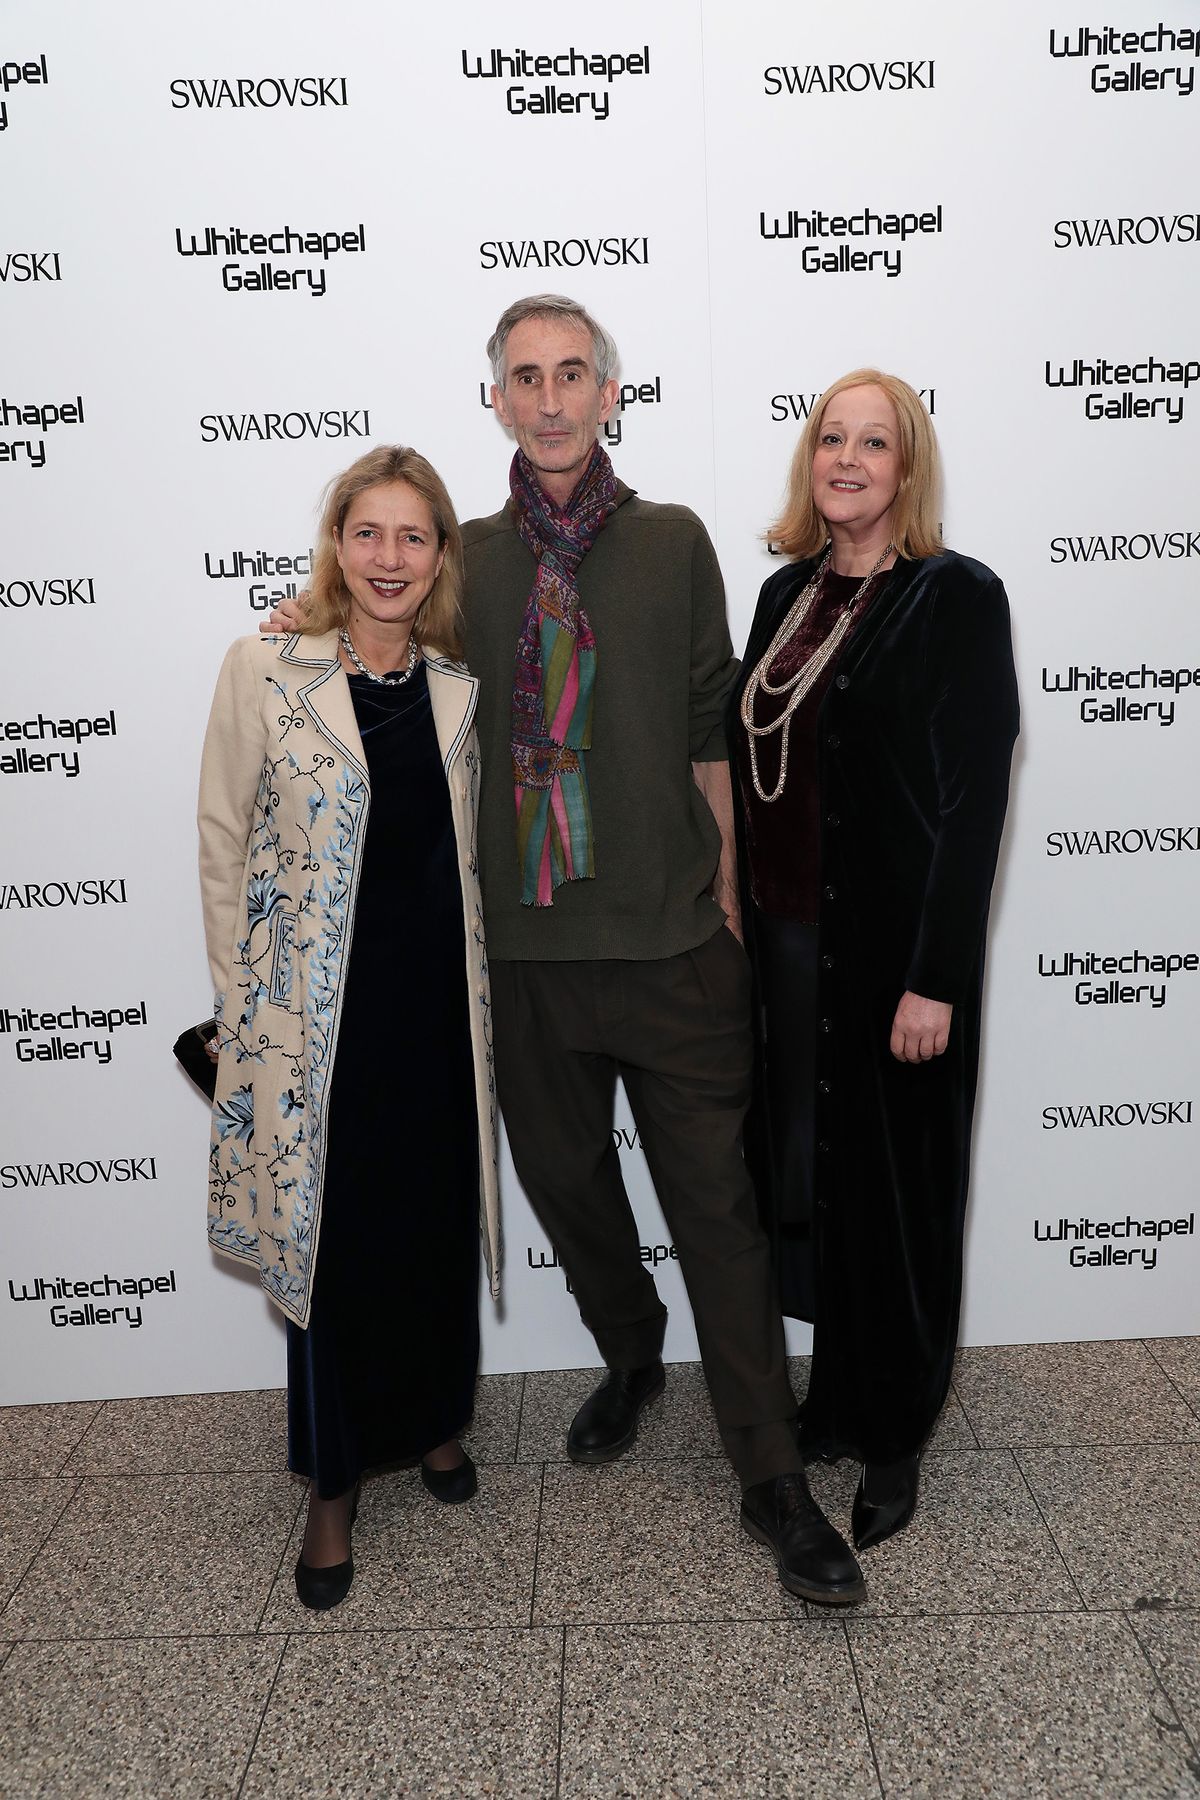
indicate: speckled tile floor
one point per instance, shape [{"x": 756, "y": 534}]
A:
[{"x": 611, "y": 1632}]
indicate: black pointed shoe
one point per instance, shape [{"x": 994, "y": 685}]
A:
[
  {"x": 452, "y": 1486},
  {"x": 606, "y": 1424},
  {"x": 814, "y": 1561},
  {"x": 885, "y": 1500}
]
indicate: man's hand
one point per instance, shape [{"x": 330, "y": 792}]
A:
[
  {"x": 712, "y": 778},
  {"x": 287, "y": 617},
  {"x": 920, "y": 1029}
]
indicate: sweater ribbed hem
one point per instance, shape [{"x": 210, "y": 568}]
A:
[{"x": 536, "y": 935}]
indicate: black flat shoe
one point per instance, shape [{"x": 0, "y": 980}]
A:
[
  {"x": 452, "y": 1486},
  {"x": 319, "y": 1589},
  {"x": 606, "y": 1424},
  {"x": 814, "y": 1560},
  {"x": 885, "y": 1500}
]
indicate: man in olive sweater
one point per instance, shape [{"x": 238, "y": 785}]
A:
[{"x": 611, "y": 912}]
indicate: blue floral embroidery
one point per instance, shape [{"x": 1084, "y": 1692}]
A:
[
  {"x": 263, "y": 899},
  {"x": 286, "y": 988},
  {"x": 236, "y": 1115}
]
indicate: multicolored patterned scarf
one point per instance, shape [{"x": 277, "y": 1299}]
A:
[{"x": 555, "y": 680}]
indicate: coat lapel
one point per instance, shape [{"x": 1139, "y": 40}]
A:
[
  {"x": 904, "y": 575},
  {"x": 326, "y": 698},
  {"x": 452, "y": 695}
]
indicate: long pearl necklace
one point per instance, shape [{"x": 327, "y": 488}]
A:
[
  {"x": 798, "y": 685},
  {"x": 383, "y": 680}
]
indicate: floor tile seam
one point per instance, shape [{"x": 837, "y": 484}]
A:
[
  {"x": 1183, "y": 1443},
  {"x": 1080, "y": 1610},
  {"x": 562, "y": 1700},
  {"x": 37, "y": 1551},
  {"x": 1048, "y": 1529},
  {"x": 249, "y": 1636},
  {"x": 87, "y": 1473},
  {"x": 1147, "y": 1344},
  {"x": 401, "y": 1627},
  {"x": 1181, "y": 1723},
  {"x": 283, "y": 1650},
  {"x": 561, "y": 1460},
  {"x": 862, "y": 1705},
  {"x": 632, "y": 1461},
  {"x": 537, "y": 1544},
  {"x": 274, "y": 1583},
  {"x": 157, "y": 1474},
  {"x": 516, "y": 1455},
  {"x": 829, "y": 1617},
  {"x": 962, "y": 1406},
  {"x": 317, "y": 1634},
  {"x": 497, "y": 1462},
  {"x": 241, "y": 1635},
  {"x": 78, "y": 1475},
  {"x": 5, "y": 1652},
  {"x": 576, "y": 1627},
  {"x": 1044, "y": 1615},
  {"x": 100, "y": 1407},
  {"x": 34, "y": 1472}
]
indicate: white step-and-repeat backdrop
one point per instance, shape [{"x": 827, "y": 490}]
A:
[{"x": 241, "y": 243}]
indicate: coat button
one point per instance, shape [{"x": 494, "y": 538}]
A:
[
  {"x": 824, "y": 1087},
  {"x": 842, "y": 681},
  {"x": 827, "y": 962},
  {"x": 834, "y": 741},
  {"x": 825, "y": 1025},
  {"x": 824, "y": 1146},
  {"x": 831, "y": 892},
  {"x": 833, "y": 820}
]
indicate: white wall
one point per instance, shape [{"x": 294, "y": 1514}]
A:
[{"x": 1012, "y": 147}]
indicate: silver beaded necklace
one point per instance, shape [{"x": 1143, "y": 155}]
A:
[
  {"x": 383, "y": 680},
  {"x": 802, "y": 681}
]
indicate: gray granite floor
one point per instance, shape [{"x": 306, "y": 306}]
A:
[{"x": 1035, "y": 1631}]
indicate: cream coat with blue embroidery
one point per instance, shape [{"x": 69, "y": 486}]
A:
[{"x": 284, "y": 798}]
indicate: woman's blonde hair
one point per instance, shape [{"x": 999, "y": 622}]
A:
[
  {"x": 438, "y": 624},
  {"x": 800, "y": 530}
]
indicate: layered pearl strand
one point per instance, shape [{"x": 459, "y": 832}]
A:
[{"x": 797, "y": 686}]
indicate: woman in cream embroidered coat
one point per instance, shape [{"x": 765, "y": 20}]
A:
[{"x": 353, "y": 1149}]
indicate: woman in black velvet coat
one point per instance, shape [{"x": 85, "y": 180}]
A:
[{"x": 866, "y": 880}]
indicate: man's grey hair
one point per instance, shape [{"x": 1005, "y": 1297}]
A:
[{"x": 552, "y": 306}]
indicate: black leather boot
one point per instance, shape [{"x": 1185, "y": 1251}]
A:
[
  {"x": 606, "y": 1424},
  {"x": 885, "y": 1501},
  {"x": 814, "y": 1560}
]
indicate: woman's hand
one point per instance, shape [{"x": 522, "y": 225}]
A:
[
  {"x": 287, "y": 617},
  {"x": 920, "y": 1029}
]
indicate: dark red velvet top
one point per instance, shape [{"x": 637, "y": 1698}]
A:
[{"x": 783, "y": 839}]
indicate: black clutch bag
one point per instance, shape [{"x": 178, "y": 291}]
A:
[{"x": 193, "y": 1057}]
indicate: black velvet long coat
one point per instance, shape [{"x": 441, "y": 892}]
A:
[{"x": 915, "y": 740}]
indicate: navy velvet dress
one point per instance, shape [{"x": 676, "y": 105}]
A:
[{"x": 386, "y": 1369}]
